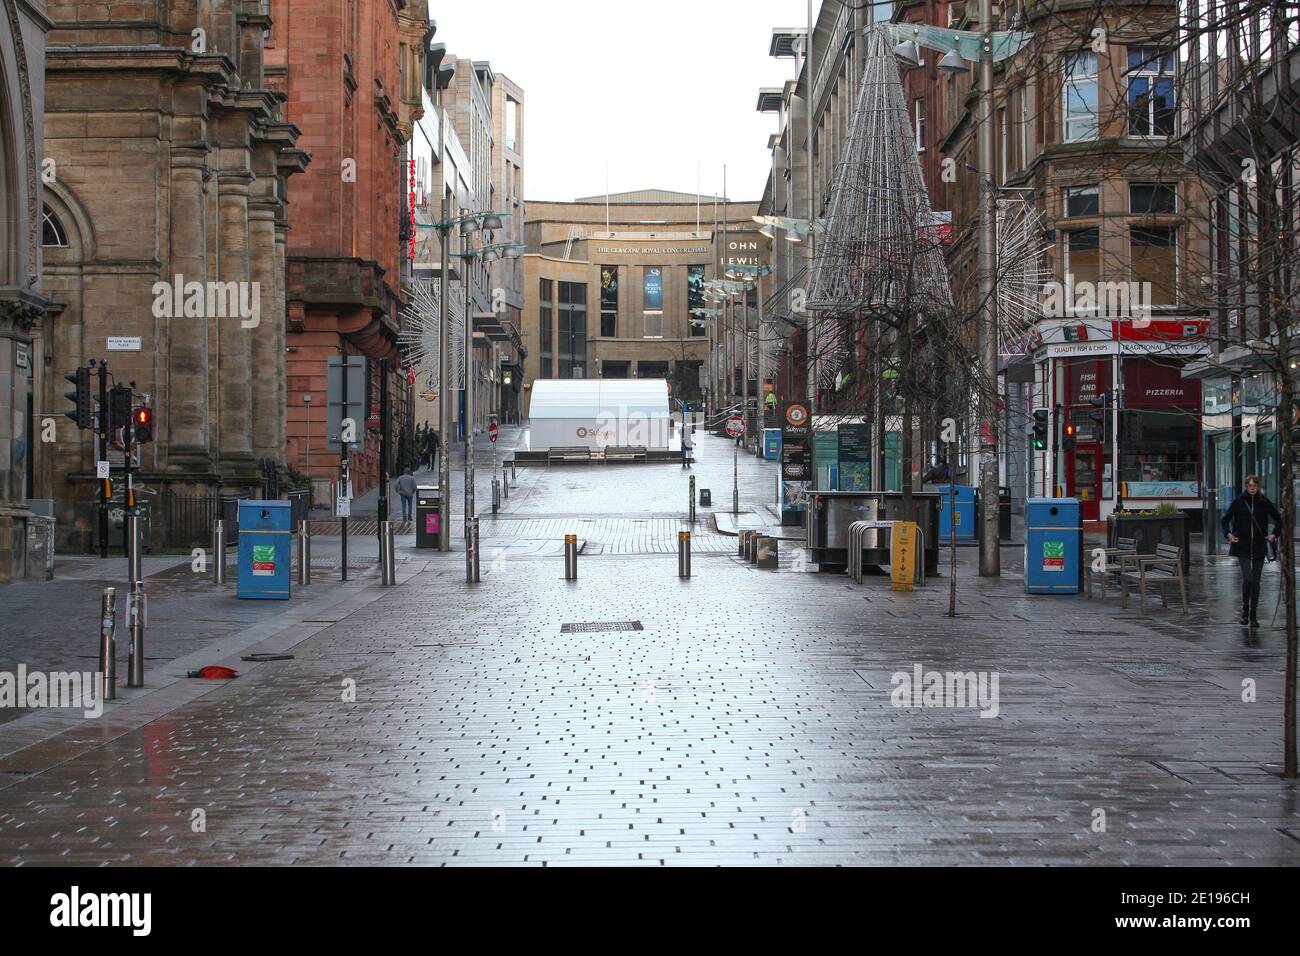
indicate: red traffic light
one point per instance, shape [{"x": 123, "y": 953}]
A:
[
  {"x": 143, "y": 416},
  {"x": 1070, "y": 430}
]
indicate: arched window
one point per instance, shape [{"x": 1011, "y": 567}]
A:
[{"x": 52, "y": 232}]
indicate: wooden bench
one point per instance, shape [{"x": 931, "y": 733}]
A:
[
  {"x": 630, "y": 453},
  {"x": 1160, "y": 571},
  {"x": 568, "y": 455},
  {"x": 1114, "y": 565}
]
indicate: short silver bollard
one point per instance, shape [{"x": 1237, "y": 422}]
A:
[
  {"x": 506, "y": 485},
  {"x": 683, "y": 554},
  {"x": 135, "y": 660},
  {"x": 471, "y": 553},
  {"x": 512, "y": 471},
  {"x": 692, "y": 499},
  {"x": 135, "y": 553},
  {"x": 387, "y": 554},
  {"x": 304, "y": 553},
  {"x": 570, "y": 557},
  {"x": 108, "y": 645},
  {"x": 219, "y": 553}
]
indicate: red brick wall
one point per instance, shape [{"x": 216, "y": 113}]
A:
[{"x": 331, "y": 217}]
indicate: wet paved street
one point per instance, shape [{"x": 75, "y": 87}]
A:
[{"x": 740, "y": 717}]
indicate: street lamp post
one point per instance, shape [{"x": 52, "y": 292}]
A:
[
  {"x": 441, "y": 74},
  {"x": 990, "y": 554},
  {"x": 472, "y": 224},
  {"x": 985, "y": 47}
]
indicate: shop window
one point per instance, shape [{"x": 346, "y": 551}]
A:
[
  {"x": 1080, "y": 106},
  {"x": 1159, "y": 446},
  {"x": 1150, "y": 92},
  {"x": 609, "y": 301},
  {"x": 1155, "y": 263},
  {"x": 1082, "y": 201},
  {"x": 1082, "y": 258},
  {"x": 1147, "y": 198},
  {"x": 546, "y": 338}
]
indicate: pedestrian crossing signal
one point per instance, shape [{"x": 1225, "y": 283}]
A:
[{"x": 142, "y": 424}]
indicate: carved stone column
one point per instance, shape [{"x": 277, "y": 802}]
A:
[
  {"x": 234, "y": 364},
  {"x": 267, "y": 350},
  {"x": 185, "y": 397}
]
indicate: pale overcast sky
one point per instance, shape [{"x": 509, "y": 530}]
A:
[{"x": 652, "y": 88}]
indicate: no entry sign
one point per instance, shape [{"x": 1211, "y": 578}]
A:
[
  {"x": 735, "y": 426},
  {"x": 492, "y": 431}
]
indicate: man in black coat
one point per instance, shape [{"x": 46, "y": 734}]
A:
[{"x": 1245, "y": 525}]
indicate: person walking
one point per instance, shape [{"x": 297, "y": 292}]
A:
[
  {"x": 405, "y": 488},
  {"x": 431, "y": 443},
  {"x": 1244, "y": 525}
]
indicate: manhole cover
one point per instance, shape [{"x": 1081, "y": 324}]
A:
[{"x": 589, "y": 627}]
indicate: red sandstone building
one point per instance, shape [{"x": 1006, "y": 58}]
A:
[{"x": 351, "y": 70}]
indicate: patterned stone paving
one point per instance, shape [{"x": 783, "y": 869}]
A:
[{"x": 749, "y": 722}]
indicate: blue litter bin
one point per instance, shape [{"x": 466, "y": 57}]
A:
[
  {"x": 965, "y": 508},
  {"x": 264, "y": 550},
  {"x": 772, "y": 444},
  {"x": 1053, "y": 546}
]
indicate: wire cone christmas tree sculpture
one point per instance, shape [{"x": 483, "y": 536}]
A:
[
  {"x": 422, "y": 319},
  {"x": 879, "y": 253}
]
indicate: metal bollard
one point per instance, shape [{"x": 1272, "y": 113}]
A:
[
  {"x": 506, "y": 483},
  {"x": 304, "y": 553},
  {"x": 135, "y": 553},
  {"x": 570, "y": 557},
  {"x": 496, "y": 495},
  {"x": 135, "y": 660},
  {"x": 219, "y": 553},
  {"x": 512, "y": 471},
  {"x": 683, "y": 554},
  {"x": 387, "y": 555},
  {"x": 740, "y": 543},
  {"x": 692, "y": 499},
  {"x": 471, "y": 552},
  {"x": 108, "y": 645}
]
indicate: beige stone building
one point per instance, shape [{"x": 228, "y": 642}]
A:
[
  {"x": 22, "y": 302},
  {"x": 612, "y": 281},
  {"x": 171, "y": 158}
]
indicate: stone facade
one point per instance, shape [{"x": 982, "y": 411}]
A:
[
  {"x": 351, "y": 71},
  {"x": 23, "y": 24},
  {"x": 570, "y": 244},
  {"x": 171, "y": 158}
]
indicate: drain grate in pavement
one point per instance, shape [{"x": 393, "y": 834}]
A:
[{"x": 591, "y": 627}]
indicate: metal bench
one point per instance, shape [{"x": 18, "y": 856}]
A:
[
  {"x": 1124, "y": 547},
  {"x": 1160, "y": 571},
  {"x": 554, "y": 455},
  {"x": 632, "y": 453}
]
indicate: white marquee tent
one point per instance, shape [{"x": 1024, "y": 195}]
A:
[{"x": 599, "y": 413}]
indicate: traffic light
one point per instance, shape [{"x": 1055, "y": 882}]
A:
[
  {"x": 83, "y": 415},
  {"x": 142, "y": 424},
  {"x": 119, "y": 411},
  {"x": 1041, "y": 418},
  {"x": 1071, "y": 434},
  {"x": 1099, "y": 415}
]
